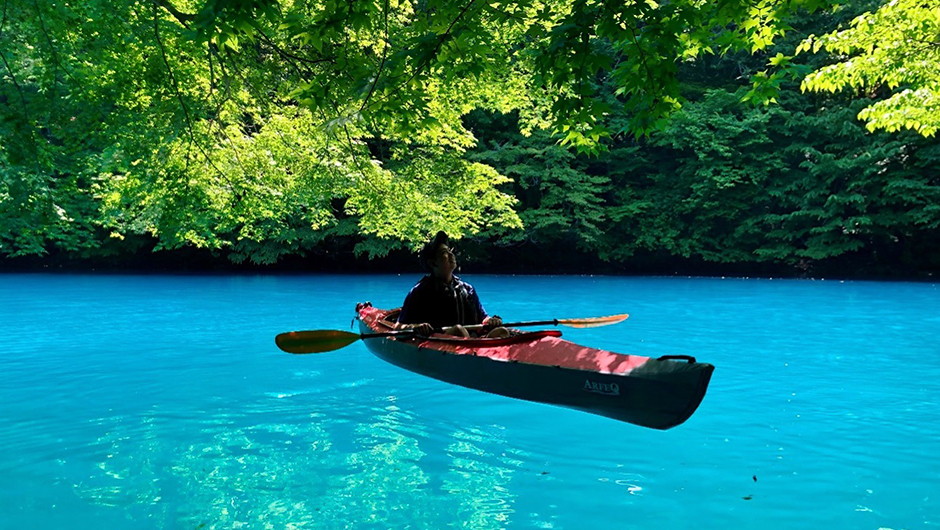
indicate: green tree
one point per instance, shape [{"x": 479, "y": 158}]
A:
[
  {"x": 121, "y": 119},
  {"x": 894, "y": 48},
  {"x": 561, "y": 195},
  {"x": 260, "y": 128},
  {"x": 800, "y": 185}
]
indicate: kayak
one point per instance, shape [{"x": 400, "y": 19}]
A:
[{"x": 541, "y": 367}]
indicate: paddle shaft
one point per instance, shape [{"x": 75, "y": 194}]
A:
[
  {"x": 575, "y": 322},
  {"x": 555, "y": 322},
  {"x": 386, "y": 334}
]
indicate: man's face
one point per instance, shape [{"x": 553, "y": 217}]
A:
[{"x": 445, "y": 261}]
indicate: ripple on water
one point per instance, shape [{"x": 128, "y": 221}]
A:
[
  {"x": 233, "y": 470},
  {"x": 822, "y": 412}
]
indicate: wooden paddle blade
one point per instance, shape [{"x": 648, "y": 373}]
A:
[
  {"x": 594, "y": 322},
  {"x": 315, "y": 341}
]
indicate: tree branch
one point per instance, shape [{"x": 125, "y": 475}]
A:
[
  {"x": 183, "y": 18},
  {"x": 176, "y": 89},
  {"x": 381, "y": 65},
  {"x": 636, "y": 43},
  {"x": 6, "y": 64},
  {"x": 437, "y": 47},
  {"x": 19, "y": 89},
  {"x": 55, "y": 60}
]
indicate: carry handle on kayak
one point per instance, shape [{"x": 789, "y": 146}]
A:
[{"x": 677, "y": 358}]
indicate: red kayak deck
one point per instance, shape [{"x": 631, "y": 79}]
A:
[{"x": 544, "y": 350}]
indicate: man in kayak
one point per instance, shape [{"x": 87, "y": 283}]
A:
[{"x": 442, "y": 300}]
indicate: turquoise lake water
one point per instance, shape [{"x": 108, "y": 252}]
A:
[{"x": 162, "y": 402}]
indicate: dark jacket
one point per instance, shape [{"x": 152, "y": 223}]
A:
[{"x": 442, "y": 305}]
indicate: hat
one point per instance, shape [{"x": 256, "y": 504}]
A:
[{"x": 429, "y": 252}]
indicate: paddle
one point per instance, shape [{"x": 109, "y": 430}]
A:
[
  {"x": 591, "y": 322},
  {"x": 322, "y": 341}
]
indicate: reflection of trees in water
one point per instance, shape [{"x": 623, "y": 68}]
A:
[
  {"x": 258, "y": 471},
  {"x": 129, "y": 470},
  {"x": 222, "y": 476},
  {"x": 479, "y": 485},
  {"x": 384, "y": 485},
  {"x": 260, "y": 476}
]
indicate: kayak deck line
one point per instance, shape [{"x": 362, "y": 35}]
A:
[{"x": 483, "y": 342}]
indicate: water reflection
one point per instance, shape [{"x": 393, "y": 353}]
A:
[
  {"x": 478, "y": 485},
  {"x": 314, "y": 471},
  {"x": 828, "y": 394}
]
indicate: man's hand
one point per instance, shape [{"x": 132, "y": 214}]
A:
[
  {"x": 492, "y": 322},
  {"x": 423, "y": 329}
]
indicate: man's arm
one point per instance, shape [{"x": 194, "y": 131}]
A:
[
  {"x": 408, "y": 315},
  {"x": 487, "y": 321}
]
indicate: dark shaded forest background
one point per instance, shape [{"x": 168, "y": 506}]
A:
[{"x": 797, "y": 188}]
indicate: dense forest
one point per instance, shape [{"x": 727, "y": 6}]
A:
[{"x": 785, "y": 138}]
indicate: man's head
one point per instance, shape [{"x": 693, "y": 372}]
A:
[{"x": 438, "y": 258}]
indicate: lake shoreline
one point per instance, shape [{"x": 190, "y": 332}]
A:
[{"x": 186, "y": 262}]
